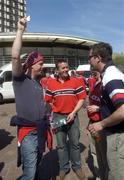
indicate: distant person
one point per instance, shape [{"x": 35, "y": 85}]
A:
[
  {"x": 66, "y": 94},
  {"x": 30, "y": 106},
  {"x": 91, "y": 81},
  {"x": 82, "y": 79},
  {"x": 44, "y": 80},
  {"x": 98, "y": 140},
  {"x": 112, "y": 107},
  {"x": 73, "y": 73}
]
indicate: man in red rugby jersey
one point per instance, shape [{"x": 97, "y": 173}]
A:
[{"x": 66, "y": 94}]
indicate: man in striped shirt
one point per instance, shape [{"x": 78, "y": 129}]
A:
[
  {"x": 66, "y": 95},
  {"x": 112, "y": 107}
]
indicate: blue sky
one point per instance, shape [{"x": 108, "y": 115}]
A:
[{"x": 91, "y": 19}]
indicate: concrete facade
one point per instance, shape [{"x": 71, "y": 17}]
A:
[{"x": 52, "y": 46}]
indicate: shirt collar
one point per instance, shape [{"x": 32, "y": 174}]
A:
[
  {"x": 110, "y": 63},
  {"x": 57, "y": 78}
]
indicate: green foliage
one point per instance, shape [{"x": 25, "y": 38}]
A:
[{"x": 118, "y": 59}]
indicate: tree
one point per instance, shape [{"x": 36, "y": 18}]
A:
[{"x": 118, "y": 59}]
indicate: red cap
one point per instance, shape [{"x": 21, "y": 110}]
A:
[{"x": 32, "y": 59}]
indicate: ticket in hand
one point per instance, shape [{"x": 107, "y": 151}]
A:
[{"x": 28, "y": 18}]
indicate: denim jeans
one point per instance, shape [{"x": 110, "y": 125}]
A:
[
  {"x": 70, "y": 131},
  {"x": 30, "y": 156}
]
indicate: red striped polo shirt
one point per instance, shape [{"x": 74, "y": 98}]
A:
[{"x": 64, "y": 96}]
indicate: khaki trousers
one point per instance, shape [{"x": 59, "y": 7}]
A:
[
  {"x": 115, "y": 155},
  {"x": 98, "y": 148}
]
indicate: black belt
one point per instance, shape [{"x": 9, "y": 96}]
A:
[
  {"x": 62, "y": 113},
  {"x": 33, "y": 132}
]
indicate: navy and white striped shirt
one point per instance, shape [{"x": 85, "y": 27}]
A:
[{"x": 112, "y": 91}]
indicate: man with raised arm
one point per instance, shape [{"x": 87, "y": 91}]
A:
[{"x": 30, "y": 106}]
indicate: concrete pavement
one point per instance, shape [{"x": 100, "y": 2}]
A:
[{"x": 49, "y": 167}]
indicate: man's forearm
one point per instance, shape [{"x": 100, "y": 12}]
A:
[
  {"x": 16, "y": 48},
  {"x": 115, "y": 118},
  {"x": 78, "y": 106},
  {"x": 17, "y": 45},
  {"x": 71, "y": 116}
]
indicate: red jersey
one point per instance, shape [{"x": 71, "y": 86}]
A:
[
  {"x": 91, "y": 81},
  {"x": 44, "y": 81},
  {"x": 64, "y": 96},
  {"x": 23, "y": 131},
  {"x": 94, "y": 99},
  {"x": 83, "y": 79}
]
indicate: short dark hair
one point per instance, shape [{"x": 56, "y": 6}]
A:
[
  {"x": 104, "y": 50},
  {"x": 59, "y": 62}
]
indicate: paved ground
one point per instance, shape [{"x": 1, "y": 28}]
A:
[{"x": 49, "y": 167}]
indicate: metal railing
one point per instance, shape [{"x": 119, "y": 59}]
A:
[{"x": 73, "y": 61}]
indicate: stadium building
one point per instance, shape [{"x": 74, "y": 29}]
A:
[{"x": 53, "y": 47}]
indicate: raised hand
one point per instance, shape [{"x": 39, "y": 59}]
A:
[{"x": 22, "y": 23}]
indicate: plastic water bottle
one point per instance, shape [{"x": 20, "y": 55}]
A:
[{"x": 56, "y": 124}]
